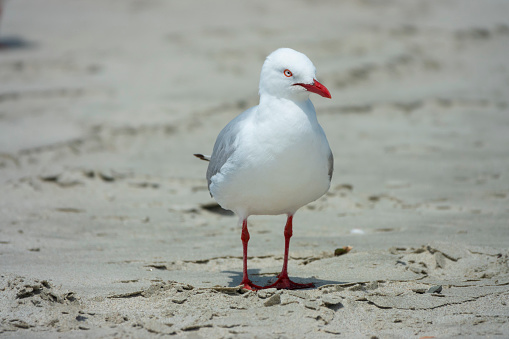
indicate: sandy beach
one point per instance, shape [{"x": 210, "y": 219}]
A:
[{"x": 107, "y": 229}]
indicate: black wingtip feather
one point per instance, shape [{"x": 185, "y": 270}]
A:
[{"x": 201, "y": 156}]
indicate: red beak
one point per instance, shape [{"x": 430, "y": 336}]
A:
[{"x": 317, "y": 88}]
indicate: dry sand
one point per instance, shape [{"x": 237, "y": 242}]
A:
[{"x": 106, "y": 226}]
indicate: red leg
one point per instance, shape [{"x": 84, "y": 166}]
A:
[
  {"x": 283, "y": 281},
  {"x": 248, "y": 285}
]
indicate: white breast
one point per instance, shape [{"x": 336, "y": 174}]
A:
[{"x": 281, "y": 162}]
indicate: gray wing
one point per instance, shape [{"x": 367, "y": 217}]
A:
[
  {"x": 331, "y": 165},
  {"x": 226, "y": 144}
]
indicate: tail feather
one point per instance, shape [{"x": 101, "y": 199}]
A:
[{"x": 202, "y": 157}]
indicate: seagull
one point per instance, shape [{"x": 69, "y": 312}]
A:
[{"x": 273, "y": 158}]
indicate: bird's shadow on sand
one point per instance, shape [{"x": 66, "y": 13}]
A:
[{"x": 264, "y": 280}]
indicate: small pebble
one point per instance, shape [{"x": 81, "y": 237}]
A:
[{"x": 435, "y": 289}]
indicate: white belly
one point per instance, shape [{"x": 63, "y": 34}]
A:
[{"x": 274, "y": 171}]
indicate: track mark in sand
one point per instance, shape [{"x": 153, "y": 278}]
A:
[
  {"x": 383, "y": 230},
  {"x": 350, "y": 109},
  {"x": 497, "y": 195},
  {"x": 432, "y": 104},
  {"x": 343, "y": 195},
  {"x": 66, "y": 177},
  {"x": 376, "y": 198},
  {"x": 215, "y": 208},
  {"x": 46, "y": 94},
  {"x": 412, "y": 149},
  {"x": 145, "y": 184},
  {"x": 474, "y": 273},
  {"x": 423, "y": 301},
  {"x": 158, "y": 288},
  {"x": 126, "y": 295},
  {"x": 158, "y": 266},
  {"x": 32, "y": 302},
  {"x": 466, "y": 265},
  {"x": 129, "y": 281},
  {"x": 41, "y": 289},
  {"x": 23, "y": 69},
  {"x": 481, "y": 33},
  {"x": 8, "y": 159},
  {"x": 69, "y": 210},
  {"x": 96, "y": 139},
  {"x": 212, "y": 264},
  {"x": 195, "y": 327}
]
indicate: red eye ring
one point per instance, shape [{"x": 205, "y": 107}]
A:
[{"x": 287, "y": 73}]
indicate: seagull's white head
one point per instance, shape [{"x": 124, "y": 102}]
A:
[{"x": 289, "y": 74}]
